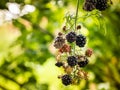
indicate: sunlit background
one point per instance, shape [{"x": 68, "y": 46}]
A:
[{"x": 27, "y": 55}]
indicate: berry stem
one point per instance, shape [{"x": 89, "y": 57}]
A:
[
  {"x": 76, "y": 13},
  {"x": 73, "y": 48},
  {"x": 76, "y": 22}
]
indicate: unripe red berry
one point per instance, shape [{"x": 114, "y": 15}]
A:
[
  {"x": 65, "y": 48},
  {"x": 89, "y": 52}
]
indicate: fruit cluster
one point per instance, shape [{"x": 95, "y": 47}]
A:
[
  {"x": 90, "y": 5},
  {"x": 69, "y": 57}
]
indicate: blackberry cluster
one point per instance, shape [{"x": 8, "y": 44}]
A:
[
  {"x": 101, "y": 5},
  {"x": 90, "y": 5},
  {"x": 70, "y": 55},
  {"x": 72, "y": 61},
  {"x": 83, "y": 63},
  {"x": 72, "y": 65},
  {"x": 66, "y": 79},
  {"x": 80, "y": 40},
  {"x": 71, "y": 37},
  {"x": 59, "y": 64}
]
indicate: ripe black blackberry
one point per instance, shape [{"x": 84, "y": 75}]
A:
[
  {"x": 66, "y": 79},
  {"x": 71, "y": 37},
  {"x": 59, "y": 42},
  {"x": 83, "y": 63},
  {"x": 59, "y": 64},
  {"x": 80, "y": 40},
  {"x": 72, "y": 61},
  {"x": 101, "y": 4}
]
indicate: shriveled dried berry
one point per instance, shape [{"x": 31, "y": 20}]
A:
[
  {"x": 64, "y": 28},
  {"x": 79, "y": 27},
  {"x": 59, "y": 42},
  {"x": 88, "y": 6},
  {"x": 60, "y": 34},
  {"x": 68, "y": 69}
]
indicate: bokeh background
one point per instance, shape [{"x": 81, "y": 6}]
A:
[{"x": 27, "y": 55}]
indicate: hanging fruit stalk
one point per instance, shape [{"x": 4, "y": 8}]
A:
[{"x": 68, "y": 42}]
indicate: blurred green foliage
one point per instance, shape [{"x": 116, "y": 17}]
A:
[{"x": 27, "y": 56}]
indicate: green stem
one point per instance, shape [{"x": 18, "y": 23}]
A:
[
  {"x": 75, "y": 23},
  {"x": 74, "y": 48},
  {"x": 11, "y": 0},
  {"x": 76, "y": 13}
]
